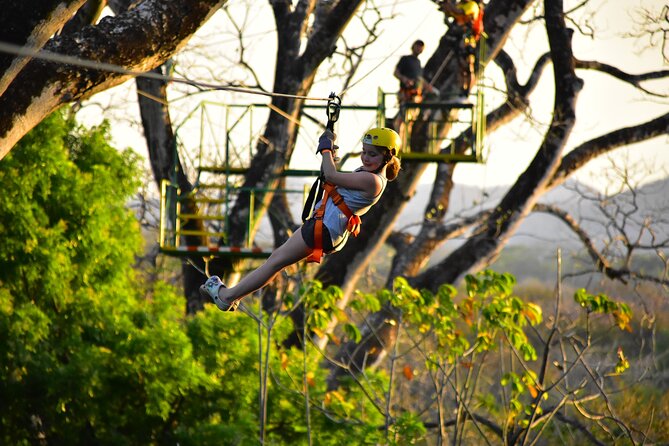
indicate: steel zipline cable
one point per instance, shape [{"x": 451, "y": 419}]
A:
[{"x": 36, "y": 53}]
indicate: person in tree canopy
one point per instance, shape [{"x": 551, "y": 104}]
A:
[
  {"x": 410, "y": 74},
  {"x": 468, "y": 17},
  {"x": 348, "y": 195},
  {"x": 412, "y": 84}
]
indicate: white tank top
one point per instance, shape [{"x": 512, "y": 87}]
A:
[{"x": 336, "y": 221}]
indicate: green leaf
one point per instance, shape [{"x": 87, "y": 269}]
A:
[{"x": 352, "y": 332}]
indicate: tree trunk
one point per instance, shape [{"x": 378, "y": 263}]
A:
[
  {"x": 488, "y": 240},
  {"x": 166, "y": 165}
]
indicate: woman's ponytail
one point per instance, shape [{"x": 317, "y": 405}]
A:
[{"x": 392, "y": 168}]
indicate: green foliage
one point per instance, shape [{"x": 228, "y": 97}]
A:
[
  {"x": 407, "y": 429},
  {"x": 85, "y": 357},
  {"x": 489, "y": 310},
  {"x": 602, "y": 304},
  {"x": 620, "y": 313},
  {"x": 321, "y": 305},
  {"x": 521, "y": 385},
  {"x": 89, "y": 355}
]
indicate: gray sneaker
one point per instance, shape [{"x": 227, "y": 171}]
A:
[{"x": 210, "y": 291}]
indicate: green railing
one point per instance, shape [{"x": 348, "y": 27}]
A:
[{"x": 212, "y": 212}]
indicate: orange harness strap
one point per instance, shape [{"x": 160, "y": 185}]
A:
[{"x": 353, "y": 225}]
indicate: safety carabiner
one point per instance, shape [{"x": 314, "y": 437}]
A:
[{"x": 332, "y": 110}]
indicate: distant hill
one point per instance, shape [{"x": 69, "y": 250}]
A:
[{"x": 542, "y": 229}]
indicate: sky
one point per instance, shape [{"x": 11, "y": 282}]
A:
[{"x": 602, "y": 106}]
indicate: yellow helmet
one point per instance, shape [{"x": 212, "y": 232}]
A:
[
  {"x": 470, "y": 8},
  {"x": 383, "y": 137}
]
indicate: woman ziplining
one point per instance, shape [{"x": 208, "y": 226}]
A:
[{"x": 347, "y": 196}]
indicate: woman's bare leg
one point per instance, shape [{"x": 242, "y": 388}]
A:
[{"x": 294, "y": 250}]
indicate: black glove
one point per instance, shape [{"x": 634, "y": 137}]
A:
[{"x": 326, "y": 141}]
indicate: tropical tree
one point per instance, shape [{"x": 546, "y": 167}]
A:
[{"x": 86, "y": 358}]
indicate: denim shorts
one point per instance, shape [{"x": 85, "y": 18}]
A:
[{"x": 308, "y": 235}]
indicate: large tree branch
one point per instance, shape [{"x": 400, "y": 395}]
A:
[
  {"x": 593, "y": 148},
  {"x": 139, "y": 40},
  {"x": 30, "y": 23},
  {"x": 601, "y": 263}
]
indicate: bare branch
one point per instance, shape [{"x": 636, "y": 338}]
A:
[
  {"x": 654, "y": 26},
  {"x": 605, "y": 143},
  {"x": 355, "y": 54},
  {"x": 632, "y": 79},
  {"x": 580, "y": 426},
  {"x": 601, "y": 263},
  {"x": 242, "y": 47}
]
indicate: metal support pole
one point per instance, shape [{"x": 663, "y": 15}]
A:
[
  {"x": 252, "y": 196},
  {"x": 163, "y": 202}
]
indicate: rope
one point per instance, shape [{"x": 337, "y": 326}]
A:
[{"x": 36, "y": 53}]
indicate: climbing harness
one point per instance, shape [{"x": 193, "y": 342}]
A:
[
  {"x": 324, "y": 190},
  {"x": 477, "y": 25},
  {"x": 410, "y": 94},
  {"x": 353, "y": 225}
]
